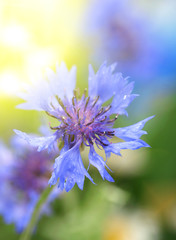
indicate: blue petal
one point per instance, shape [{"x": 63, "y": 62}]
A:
[
  {"x": 107, "y": 84},
  {"x": 103, "y": 82},
  {"x": 40, "y": 142},
  {"x": 122, "y": 97},
  {"x": 117, "y": 147},
  {"x": 62, "y": 83},
  {"x": 42, "y": 93},
  {"x": 37, "y": 97},
  {"x": 69, "y": 169},
  {"x": 99, "y": 163},
  {"x": 119, "y": 103},
  {"x": 132, "y": 132}
]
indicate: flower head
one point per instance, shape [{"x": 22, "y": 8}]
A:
[
  {"x": 24, "y": 175},
  {"x": 83, "y": 121},
  {"x": 120, "y": 31}
]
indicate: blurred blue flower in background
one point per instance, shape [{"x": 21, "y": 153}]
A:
[
  {"x": 120, "y": 32},
  {"x": 143, "y": 43},
  {"x": 83, "y": 121},
  {"x": 24, "y": 175}
]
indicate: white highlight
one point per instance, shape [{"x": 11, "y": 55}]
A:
[
  {"x": 9, "y": 83},
  {"x": 14, "y": 35}
]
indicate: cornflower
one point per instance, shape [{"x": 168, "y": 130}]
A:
[
  {"x": 86, "y": 121},
  {"x": 24, "y": 176},
  {"x": 121, "y": 31}
]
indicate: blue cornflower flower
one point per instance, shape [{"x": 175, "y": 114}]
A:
[
  {"x": 120, "y": 31},
  {"x": 85, "y": 121},
  {"x": 24, "y": 175}
]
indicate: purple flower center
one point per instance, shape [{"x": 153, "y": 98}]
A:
[
  {"x": 83, "y": 119},
  {"x": 31, "y": 172}
]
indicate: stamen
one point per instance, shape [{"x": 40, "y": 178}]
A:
[
  {"x": 49, "y": 114},
  {"x": 96, "y": 100},
  {"x": 113, "y": 120},
  {"x": 90, "y": 122},
  {"x": 103, "y": 119},
  {"x": 104, "y": 144},
  {"x": 90, "y": 140},
  {"x": 78, "y": 113},
  {"x": 85, "y": 92},
  {"x": 100, "y": 112},
  {"x": 102, "y": 133},
  {"x": 54, "y": 128},
  {"x": 107, "y": 109},
  {"x": 60, "y": 101},
  {"x": 67, "y": 113},
  {"x": 110, "y": 133},
  {"x": 63, "y": 120},
  {"x": 87, "y": 101},
  {"x": 52, "y": 106},
  {"x": 73, "y": 103},
  {"x": 75, "y": 92},
  {"x": 73, "y": 100},
  {"x": 63, "y": 106}
]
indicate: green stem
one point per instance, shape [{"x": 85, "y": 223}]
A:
[{"x": 26, "y": 235}]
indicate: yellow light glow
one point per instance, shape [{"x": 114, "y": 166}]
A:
[
  {"x": 10, "y": 83},
  {"x": 15, "y": 35},
  {"x": 39, "y": 60}
]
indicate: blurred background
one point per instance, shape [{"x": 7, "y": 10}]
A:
[{"x": 141, "y": 37}]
